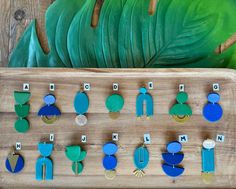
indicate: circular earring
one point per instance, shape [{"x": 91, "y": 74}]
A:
[
  {"x": 212, "y": 111},
  {"x": 49, "y": 113},
  {"x": 114, "y": 104},
  {"x": 181, "y": 111},
  {"x": 81, "y": 105},
  {"x": 14, "y": 162}
]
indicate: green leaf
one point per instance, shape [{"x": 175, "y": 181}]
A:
[
  {"x": 182, "y": 33},
  {"x": 21, "y": 97}
]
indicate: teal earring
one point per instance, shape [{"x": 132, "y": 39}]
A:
[{"x": 76, "y": 155}]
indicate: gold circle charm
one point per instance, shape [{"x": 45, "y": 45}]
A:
[
  {"x": 49, "y": 119},
  {"x": 81, "y": 120},
  {"x": 110, "y": 175},
  {"x": 114, "y": 115}
]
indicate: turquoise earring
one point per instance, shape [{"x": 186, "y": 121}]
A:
[{"x": 141, "y": 160}]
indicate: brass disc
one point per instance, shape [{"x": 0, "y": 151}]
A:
[
  {"x": 114, "y": 115},
  {"x": 81, "y": 120},
  {"x": 110, "y": 175},
  {"x": 49, "y": 119},
  {"x": 181, "y": 119},
  {"x": 207, "y": 178}
]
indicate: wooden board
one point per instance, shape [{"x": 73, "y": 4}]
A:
[{"x": 198, "y": 83}]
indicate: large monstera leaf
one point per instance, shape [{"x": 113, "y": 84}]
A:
[{"x": 181, "y": 33}]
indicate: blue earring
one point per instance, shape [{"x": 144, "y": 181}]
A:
[
  {"x": 110, "y": 161},
  {"x": 81, "y": 105},
  {"x": 172, "y": 158},
  {"x": 14, "y": 162},
  {"x": 144, "y": 96},
  {"x": 141, "y": 160},
  {"x": 208, "y": 161},
  {"x": 44, "y": 165},
  {"x": 49, "y": 113}
]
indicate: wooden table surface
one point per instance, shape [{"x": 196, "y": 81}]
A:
[{"x": 198, "y": 83}]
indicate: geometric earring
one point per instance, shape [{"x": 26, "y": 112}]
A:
[
  {"x": 44, "y": 165},
  {"x": 49, "y": 113},
  {"x": 114, "y": 104},
  {"x": 14, "y": 162},
  {"x": 81, "y": 105},
  {"x": 208, "y": 161},
  {"x": 76, "y": 155},
  {"x": 22, "y": 109},
  {"x": 172, "y": 158},
  {"x": 212, "y": 111},
  {"x": 181, "y": 111}
]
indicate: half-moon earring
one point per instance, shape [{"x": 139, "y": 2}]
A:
[
  {"x": 49, "y": 113},
  {"x": 81, "y": 105},
  {"x": 14, "y": 162}
]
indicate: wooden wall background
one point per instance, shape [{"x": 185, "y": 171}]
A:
[{"x": 15, "y": 16}]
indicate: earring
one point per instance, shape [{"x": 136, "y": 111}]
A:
[
  {"x": 141, "y": 160},
  {"x": 76, "y": 155},
  {"x": 114, "y": 104},
  {"x": 172, "y": 158},
  {"x": 81, "y": 105},
  {"x": 144, "y": 96},
  {"x": 109, "y": 160},
  {"x": 14, "y": 162},
  {"x": 181, "y": 111},
  {"x": 44, "y": 165},
  {"x": 22, "y": 109},
  {"x": 212, "y": 111},
  {"x": 208, "y": 161},
  {"x": 49, "y": 113}
]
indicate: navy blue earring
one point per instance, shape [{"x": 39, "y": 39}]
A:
[
  {"x": 172, "y": 158},
  {"x": 49, "y": 113},
  {"x": 212, "y": 111},
  {"x": 144, "y": 96},
  {"x": 14, "y": 162}
]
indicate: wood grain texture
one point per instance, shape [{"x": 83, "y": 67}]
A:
[
  {"x": 15, "y": 17},
  {"x": 198, "y": 83}
]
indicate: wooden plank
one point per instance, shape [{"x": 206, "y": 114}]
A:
[
  {"x": 198, "y": 82},
  {"x": 4, "y": 31}
]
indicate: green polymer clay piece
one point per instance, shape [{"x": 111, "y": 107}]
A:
[
  {"x": 181, "y": 33},
  {"x": 115, "y": 103},
  {"x": 22, "y": 111},
  {"x": 21, "y": 97},
  {"x": 75, "y": 154},
  {"x": 79, "y": 166},
  {"x": 181, "y": 108},
  {"x": 22, "y": 125}
]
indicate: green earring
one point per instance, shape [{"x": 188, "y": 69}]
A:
[
  {"x": 76, "y": 155},
  {"x": 22, "y": 109},
  {"x": 181, "y": 111}
]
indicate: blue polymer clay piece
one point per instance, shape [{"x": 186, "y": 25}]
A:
[
  {"x": 141, "y": 98},
  {"x": 109, "y": 160},
  {"x": 49, "y": 109},
  {"x": 19, "y": 165},
  {"x": 208, "y": 160},
  {"x": 172, "y": 171},
  {"x": 212, "y": 111},
  {"x": 173, "y": 159},
  {"x": 81, "y": 103},
  {"x": 174, "y": 147}
]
